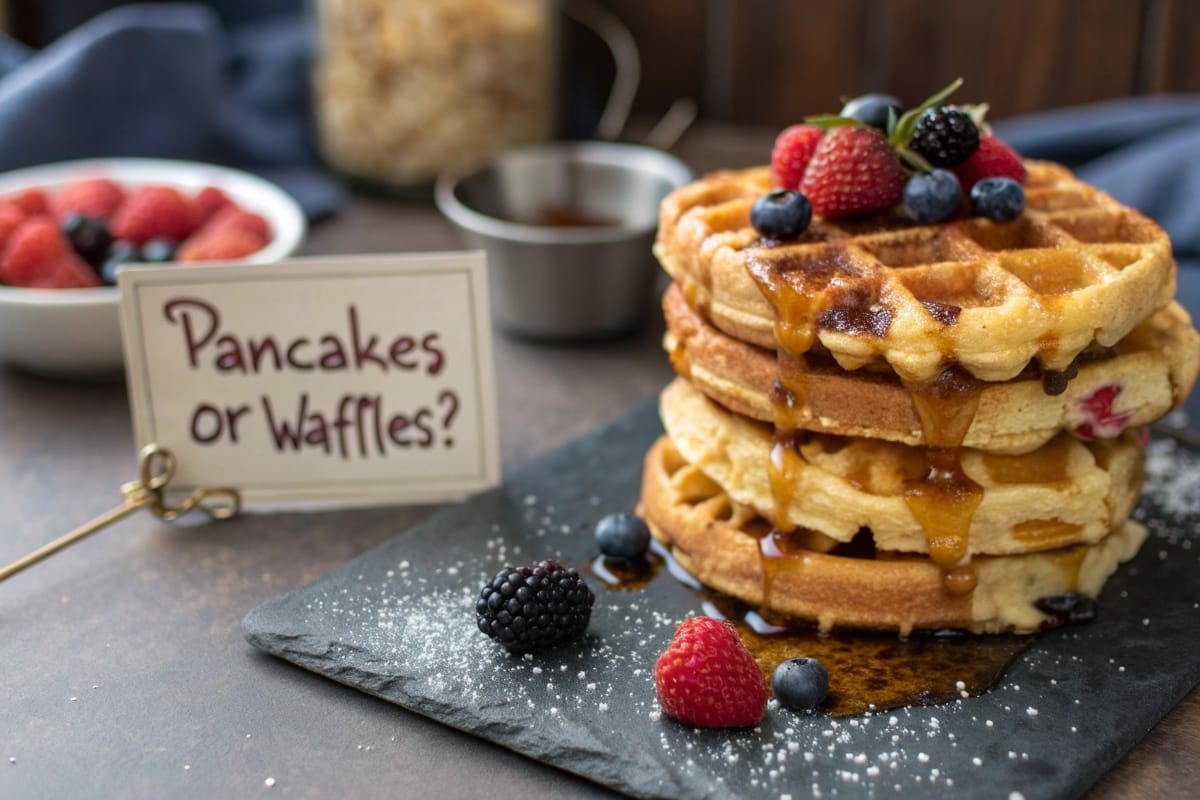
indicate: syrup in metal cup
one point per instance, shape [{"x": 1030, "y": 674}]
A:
[{"x": 568, "y": 228}]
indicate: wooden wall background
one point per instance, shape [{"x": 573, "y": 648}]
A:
[{"x": 770, "y": 62}]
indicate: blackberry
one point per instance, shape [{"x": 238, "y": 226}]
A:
[
  {"x": 524, "y": 608},
  {"x": 946, "y": 136},
  {"x": 90, "y": 238}
]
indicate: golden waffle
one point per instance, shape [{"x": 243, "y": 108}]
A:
[
  {"x": 1076, "y": 268},
  {"x": 719, "y": 541},
  {"x": 1154, "y": 368},
  {"x": 1066, "y": 492}
]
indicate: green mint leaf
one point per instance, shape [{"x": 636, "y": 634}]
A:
[
  {"x": 902, "y": 134},
  {"x": 827, "y": 121}
]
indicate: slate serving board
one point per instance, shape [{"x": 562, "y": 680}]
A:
[{"x": 398, "y": 622}]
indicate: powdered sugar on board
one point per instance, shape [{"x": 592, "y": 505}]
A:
[
  {"x": 1172, "y": 478},
  {"x": 399, "y": 623}
]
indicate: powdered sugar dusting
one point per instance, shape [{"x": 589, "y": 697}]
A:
[
  {"x": 400, "y": 623},
  {"x": 1172, "y": 477}
]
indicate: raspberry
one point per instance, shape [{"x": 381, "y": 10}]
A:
[
  {"x": 543, "y": 604},
  {"x": 853, "y": 171},
  {"x": 1095, "y": 417},
  {"x": 793, "y": 150},
  {"x": 945, "y": 136},
  {"x": 97, "y": 198},
  {"x": 32, "y": 201},
  {"x": 992, "y": 159},
  {"x": 706, "y": 677},
  {"x": 207, "y": 202},
  {"x": 38, "y": 256},
  {"x": 153, "y": 212}
]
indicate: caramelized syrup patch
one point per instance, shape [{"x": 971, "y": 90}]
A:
[
  {"x": 945, "y": 313},
  {"x": 1047, "y": 465},
  {"x": 1046, "y": 534},
  {"x": 857, "y": 312}
]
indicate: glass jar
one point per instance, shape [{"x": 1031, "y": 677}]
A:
[{"x": 406, "y": 89}]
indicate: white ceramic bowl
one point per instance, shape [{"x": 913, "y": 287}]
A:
[{"x": 75, "y": 332}]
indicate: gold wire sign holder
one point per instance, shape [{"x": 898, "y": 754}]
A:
[{"x": 156, "y": 468}]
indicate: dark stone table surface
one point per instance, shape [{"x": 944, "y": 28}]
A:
[{"x": 124, "y": 670}]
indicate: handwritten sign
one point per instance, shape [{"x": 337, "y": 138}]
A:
[{"x": 350, "y": 380}]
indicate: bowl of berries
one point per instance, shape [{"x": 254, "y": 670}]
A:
[{"x": 66, "y": 228}]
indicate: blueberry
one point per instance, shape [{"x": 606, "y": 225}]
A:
[
  {"x": 872, "y": 109},
  {"x": 782, "y": 214},
  {"x": 158, "y": 250},
  {"x": 1071, "y": 606},
  {"x": 800, "y": 684},
  {"x": 1084, "y": 611},
  {"x": 622, "y": 535},
  {"x": 998, "y": 199},
  {"x": 1058, "y": 604},
  {"x": 120, "y": 253},
  {"x": 932, "y": 196},
  {"x": 89, "y": 237}
]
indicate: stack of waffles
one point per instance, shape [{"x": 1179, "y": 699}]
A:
[{"x": 889, "y": 425}]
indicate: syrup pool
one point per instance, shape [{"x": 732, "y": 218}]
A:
[{"x": 868, "y": 670}]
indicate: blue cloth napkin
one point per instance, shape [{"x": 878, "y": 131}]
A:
[
  {"x": 1144, "y": 151},
  {"x": 169, "y": 81}
]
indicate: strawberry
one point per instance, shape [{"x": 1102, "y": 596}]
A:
[
  {"x": 706, "y": 677},
  {"x": 153, "y": 212},
  {"x": 219, "y": 246},
  {"x": 793, "y": 150},
  {"x": 97, "y": 198},
  {"x": 11, "y": 218},
  {"x": 32, "y": 201},
  {"x": 207, "y": 202},
  {"x": 233, "y": 217},
  {"x": 993, "y": 159},
  {"x": 231, "y": 234},
  {"x": 854, "y": 171},
  {"x": 38, "y": 256}
]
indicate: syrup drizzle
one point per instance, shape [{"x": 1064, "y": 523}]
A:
[{"x": 944, "y": 500}]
